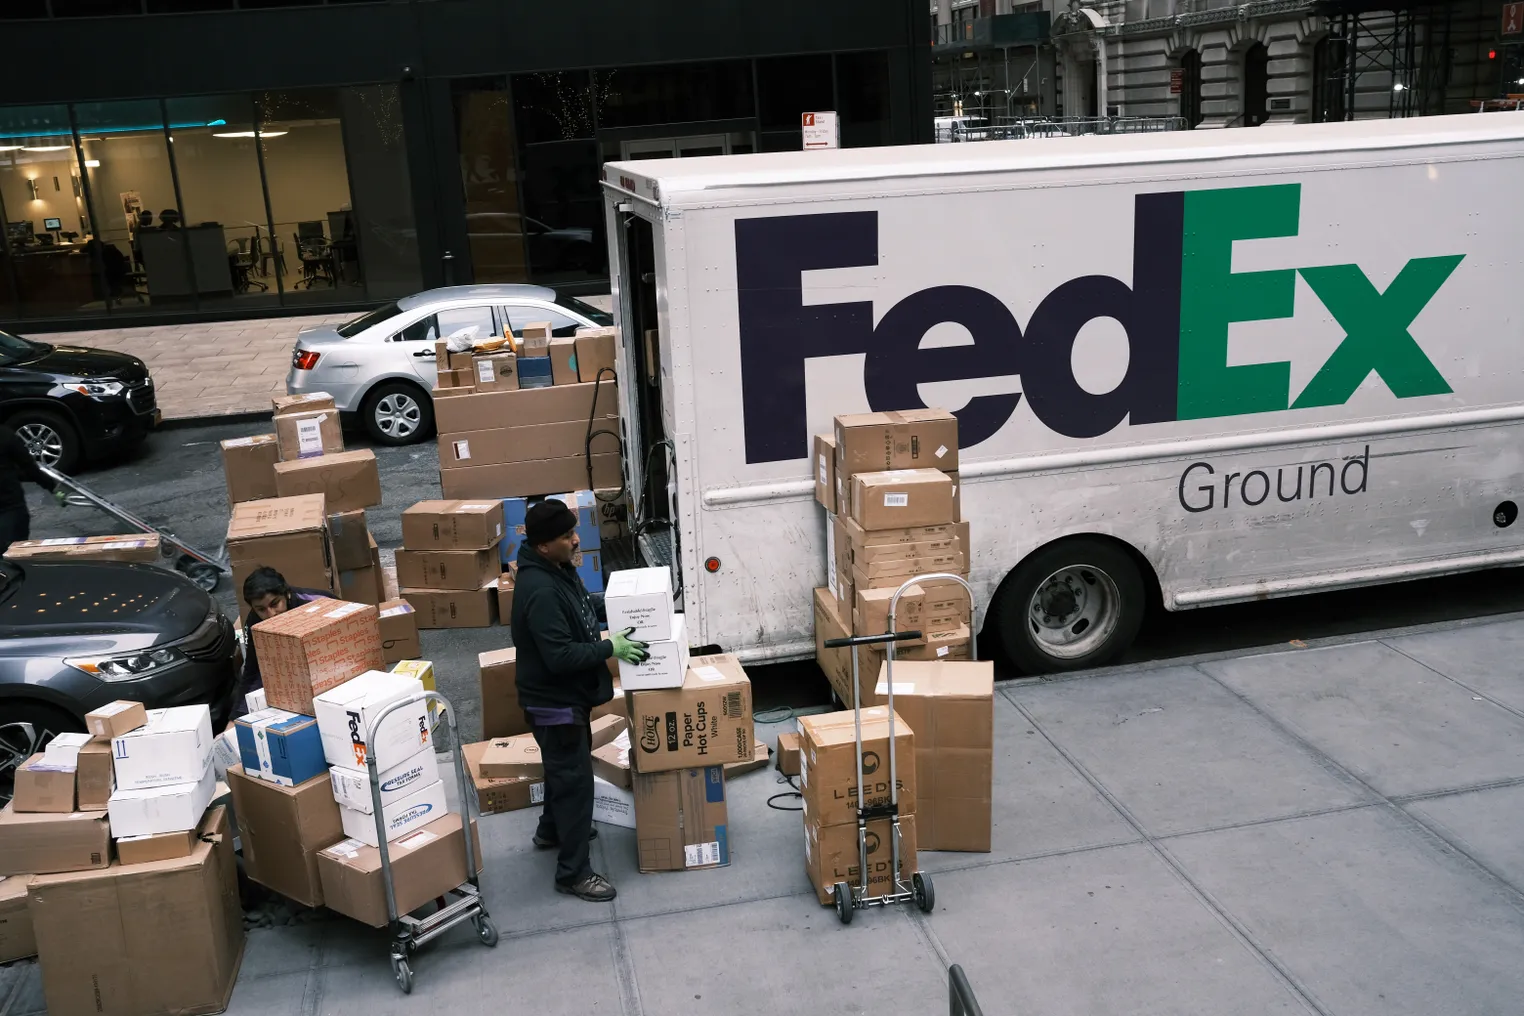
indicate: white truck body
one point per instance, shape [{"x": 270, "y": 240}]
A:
[{"x": 1272, "y": 361}]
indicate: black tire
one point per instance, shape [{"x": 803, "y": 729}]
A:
[
  {"x": 17, "y": 744},
  {"x": 844, "y": 908},
  {"x": 1096, "y": 596},
  {"x": 50, "y": 437},
  {"x": 398, "y": 413}
]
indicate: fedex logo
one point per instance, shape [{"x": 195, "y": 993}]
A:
[{"x": 1176, "y": 310}]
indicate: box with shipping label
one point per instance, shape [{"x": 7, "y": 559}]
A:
[
  {"x": 307, "y": 402},
  {"x": 912, "y": 439},
  {"x": 426, "y": 863},
  {"x": 788, "y": 754},
  {"x": 447, "y": 569},
  {"x": 530, "y": 406},
  {"x": 162, "y": 937},
  {"x": 225, "y": 753},
  {"x": 254, "y": 701},
  {"x": 563, "y": 360},
  {"x": 41, "y": 787},
  {"x": 454, "y": 608},
  {"x": 289, "y": 534},
  {"x": 494, "y": 796},
  {"x": 495, "y": 372},
  {"x": 501, "y": 714},
  {"x": 51, "y": 841},
  {"x": 63, "y": 750},
  {"x": 348, "y": 481},
  {"x": 603, "y": 729},
  {"x": 612, "y": 804},
  {"x": 280, "y": 746},
  {"x": 595, "y": 354},
  {"x": 93, "y": 778},
  {"x": 174, "y": 746},
  {"x": 248, "y": 464},
  {"x": 346, "y": 713},
  {"x": 281, "y": 829},
  {"x": 898, "y": 498},
  {"x": 522, "y": 443},
  {"x": 155, "y": 810},
  {"x": 611, "y": 761},
  {"x": 680, "y": 820},
  {"x": 832, "y": 854},
  {"x": 351, "y": 539},
  {"x": 115, "y": 718},
  {"x": 665, "y": 664},
  {"x": 308, "y": 435},
  {"x": 452, "y": 525},
  {"x": 315, "y": 647},
  {"x": 16, "y": 938},
  {"x": 640, "y": 598},
  {"x": 398, "y": 624},
  {"x": 828, "y": 763},
  {"x": 927, "y": 606},
  {"x": 155, "y": 846},
  {"x": 351, "y": 787},
  {"x": 505, "y": 584},
  {"x": 825, "y": 471},
  {"x": 512, "y": 759},
  {"x": 531, "y": 476},
  {"x": 410, "y": 811},
  {"x": 706, "y": 721},
  {"x": 761, "y": 754},
  {"x": 135, "y": 548}
]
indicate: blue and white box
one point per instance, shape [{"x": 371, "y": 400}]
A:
[
  {"x": 351, "y": 787},
  {"x": 280, "y": 747}
]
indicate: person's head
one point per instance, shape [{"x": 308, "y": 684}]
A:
[
  {"x": 169, "y": 218},
  {"x": 551, "y": 528},
  {"x": 266, "y": 591},
  {"x": 145, "y": 218}
]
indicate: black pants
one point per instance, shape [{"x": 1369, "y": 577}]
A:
[
  {"x": 16, "y": 524},
  {"x": 566, "y": 751}
]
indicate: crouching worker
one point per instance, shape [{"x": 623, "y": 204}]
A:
[{"x": 267, "y": 594}]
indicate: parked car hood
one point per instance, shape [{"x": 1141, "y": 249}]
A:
[
  {"x": 63, "y": 608},
  {"x": 82, "y": 361}
]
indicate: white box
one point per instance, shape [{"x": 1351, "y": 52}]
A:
[
  {"x": 351, "y": 787},
  {"x": 254, "y": 701},
  {"x": 154, "y": 810},
  {"x": 613, "y": 805},
  {"x": 640, "y": 598},
  {"x": 63, "y": 751},
  {"x": 665, "y": 666},
  {"x": 174, "y": 746},
  {"x": 417, "y": 809},
  {"x": 345, "y": 713},
  {"x": 225, "y": 752}
]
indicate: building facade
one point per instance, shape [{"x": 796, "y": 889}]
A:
[{"x": 201, "y": 159}]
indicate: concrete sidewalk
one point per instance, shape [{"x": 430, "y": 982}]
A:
[{"x": 1332, "y": 830}]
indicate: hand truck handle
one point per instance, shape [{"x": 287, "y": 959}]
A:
[{"x": 871, "y": 640}]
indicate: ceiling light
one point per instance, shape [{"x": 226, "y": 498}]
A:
[
  {"x": 45, "y": 148},
  {"x": 93, "y": 163},
  {"x": 250, "y": 134},
  {"x": 10, "y": 148}
]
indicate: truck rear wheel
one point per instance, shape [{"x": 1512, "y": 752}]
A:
[{"x": 1073, "y": 604}]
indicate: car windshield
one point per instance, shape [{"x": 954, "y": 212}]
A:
[
  {"x": 352, "y": 328},
  {"x": 14, "y": 349},
  {"x": 587, "y": 310}
]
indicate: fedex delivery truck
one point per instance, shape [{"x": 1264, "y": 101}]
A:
[{"x": 1223, "y": 365}]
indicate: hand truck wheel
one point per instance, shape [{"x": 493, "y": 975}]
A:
[
  {"x": 403, "y": 973},
  {"x": 923, "y": 891},
  {"x": 485, "y": 930},
  {"x": 844, "y": 902}
]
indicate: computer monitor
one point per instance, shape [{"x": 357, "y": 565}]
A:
[
  {"x": 310, "y": 230},
  {"x": 51, "y": 224}
]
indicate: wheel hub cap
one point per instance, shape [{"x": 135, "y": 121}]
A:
[
  {"x": 398, "y": 415},
  {"x": 42, "y": 441},
  {"x": 1074, "y": 611}
]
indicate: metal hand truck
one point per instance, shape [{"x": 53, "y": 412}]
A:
[
  {"x": 204, "y": 570},
  {"x": 919, "y": 889},
  {"x": 411, "y": 933}
]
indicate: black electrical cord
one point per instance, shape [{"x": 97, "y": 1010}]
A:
[{"x": 792, "y": 794}]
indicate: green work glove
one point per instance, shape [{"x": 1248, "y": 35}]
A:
[
  {"x": 628, "y": 650},
  {"x": 61, "y": 496}
]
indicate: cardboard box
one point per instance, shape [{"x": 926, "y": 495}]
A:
[
  {"x": 604, "y": 729},
  {"x": 398, "y": 624},
  {"x": 640, "y": 598},
  {"x": 936, "y": 605},
  {"x": 707, "y": 721},
  {"x": 40, "y": 787},
  {"x": 611, "y": 761},
  {"x": 154, "y": 810},
  {"x": 363, "y": 585},
  {"x": 164, "y": 937},
  {"x": 831, "y": 855},
  {"x": 528, "y": 478},
  {"x": 347, "y": 480},
  {"x": 426, "y": 864},
  {"x": 901, "y": 497},
  {"x": 501, "y": 714},
  {"x": 248, "y": 463},
  {"x": 135, "y": 548},
  {"x": 281, "y": 829},
  {"x": 563, "y": 360},
  {"x": 423, "y": 670},
  {"x": 63, "y": 750},
  {"x": 524, "y": 444},
  {"x": 310, "y": 402},
  {"x": 93, "y": 778},
  {"x": 155, "y": 847},
  {"x": 665, "y": 665},
  {"x": 116, "y": 718},
  {"x": 345, "y": 715},
  {"x": 595, "y": 352},
  {"x": 174, "y": 746},
  {"x": 280, "y": 746},
  {"x": 453, "y": 525},
  {"x": 505, "y": 583},
  {"x": 351, "y": 539},
  {"x": 613, "y": 805},
  {"x": 53, "y": 842},
  {"x": 528, "y": 406},
  {"x": 495, "y": 372},
  {"x": 462, "y": 361},
  {"x": 454, "y": 608},
  {"x": 760, "y": 756},
  {"x": 535, "y": 371},
  {"x": 447, "y": 569},
  {"x": 512, "y": 759},
  {"x": 413, "y": 810},
  {"x": 307, "y": 435},
  {"x": 951, "y": 708},
  {"x": 351, "y": 787},
  {"x": 825, "y": 471},
  {"x": 828, "y": 763},
  {"x": 536, "y": 336},
  {"x": 16, "y": 938},
  {"x": 613, "y": 515},
  {"x": 957, "y": 498},
  {"x": 315, "y": 647},
  {"x": 788, "y": 754},
  {"x": 912, "y": 439},
  {"x": 495, "y": 796},
  {"x": 289, "y": 534},
  {"x": 680, "y": 820}
]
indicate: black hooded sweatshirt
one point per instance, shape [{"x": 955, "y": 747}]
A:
[{"x": 562, "y": 661}]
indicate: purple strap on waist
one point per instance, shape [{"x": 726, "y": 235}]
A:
[{"x": 553, "y": 716}]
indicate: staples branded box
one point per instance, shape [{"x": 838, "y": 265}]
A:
[
  {"x": 315, "y": 647},
  {"x": 174, "y": 746}
]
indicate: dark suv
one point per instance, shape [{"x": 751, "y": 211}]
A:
[{"x": 73, "y": 404}]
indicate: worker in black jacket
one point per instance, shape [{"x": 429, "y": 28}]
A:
[
  {"x": 16, "y": 465},
  {"x": 563, "y": 675}
]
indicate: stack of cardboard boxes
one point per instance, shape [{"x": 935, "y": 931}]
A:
[
  {"x": 889, "y": 484},
  {"x": 595, "y": 518},
  {"x": 448, "y": 568}
]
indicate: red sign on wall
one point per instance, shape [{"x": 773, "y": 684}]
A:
[
  {"x": 1176, "y": 81},
  {"x": 1513, "y": 19}
]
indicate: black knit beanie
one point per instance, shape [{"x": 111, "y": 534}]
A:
[{"x": 547, "y": 520}]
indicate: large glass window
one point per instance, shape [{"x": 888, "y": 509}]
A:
[
  {"x": 489, "y": 181},
  {"x": 382, "y": 198},
  {"x": 862, "y": 83},
  {"x": 48, "y": 257}
]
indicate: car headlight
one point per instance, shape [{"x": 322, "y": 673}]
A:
[
  {"x": 129, "y": 666},
  {"x": 97, "y": 389}
]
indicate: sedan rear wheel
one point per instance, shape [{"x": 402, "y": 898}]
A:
[{"x": 398, "y": 413}]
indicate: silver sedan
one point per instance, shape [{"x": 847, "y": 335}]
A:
[{"x": 381, "y": 365}]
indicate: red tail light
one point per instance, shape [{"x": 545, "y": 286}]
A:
[{"x": 305, "y": 359}]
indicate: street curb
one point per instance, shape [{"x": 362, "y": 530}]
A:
[{"x": 184, "y": 422}]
